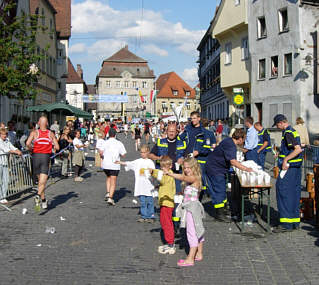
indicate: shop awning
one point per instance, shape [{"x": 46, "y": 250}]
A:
[{"x": 56, "y": 107}]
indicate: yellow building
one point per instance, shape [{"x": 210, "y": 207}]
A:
[
  {"x": 230, "y": 28},
  {"x": 46, "y": 86}
]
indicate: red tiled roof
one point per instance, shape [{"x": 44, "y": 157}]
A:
[
  {"x": 124, "y": 55},
  {"x": 73, "y": 77},
  {"x": 168, "y": 82},
  {"x": 63, "y": 17},
  {"x": 35, "y": 4}
]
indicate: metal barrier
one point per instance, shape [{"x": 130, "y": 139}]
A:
[{"x": 15, "y": 174}]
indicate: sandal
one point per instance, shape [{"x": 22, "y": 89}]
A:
[{"x": 182, "y": 263}]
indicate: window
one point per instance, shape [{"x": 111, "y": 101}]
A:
[
  {"x": 175, "y": 92},
  {"x": 283, "y": 20},
  {"x": 274, "y": 66},
  {"x": 228, "y": 48},
  {"x": 237, "y": 2},
  {"x": 188, "y": 105},
  {"x": 262, "y": 69},
  {"x": 118, "y": 84},
  {"x": 134, "y": 84},
  {"x": 108, "y": 84},
  {"x": 273, "y": 111},
  {"x": 59, "y": 85},
  {"x": 261, "y": 28},
  {"x": 171, "y": 104},
  {"x": 126, "y": 84},
  {"x": 188, "y": 93},
  {"x": 43, "y": 61},
  {"x": 144, "y": 84},
  {"x": 287, "y": 110},
  {"x": 288, "y": 64},
  {"x": 244, "y": 49},
  {"x": 43, "y": 17},
  {"x": 51, "y": 29},
  {"x": 164, "y": 106}
]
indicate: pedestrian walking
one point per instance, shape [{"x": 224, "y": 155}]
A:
[
  {"x": 166, "y": 193},
  {"x": 264, "y": 144},
  {"x": 56, "y": 128},
  {"x": 111, "y": 150},
  {"x": 288, "y": 185},
  {"x": 137, "y": 132},
  {"x": 191, "y": 210},
  {"x": 6, "y": 147},
  {"x": 251, "y": 141},
  {"x": 302, "y": 131},
  {"x": 147, "y": 132},
  {"x": 78, "y": 156},
  {"x": 219, "y": 131},
  {"x": 43, "y": 141},
  {"x": 218, "y": 163},
  {"x": 143, "y": 188}
]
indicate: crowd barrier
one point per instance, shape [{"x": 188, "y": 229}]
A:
[{"x": 15, "y": 174}]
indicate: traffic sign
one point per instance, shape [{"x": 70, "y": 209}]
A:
[{"x": 238, "y": 99}]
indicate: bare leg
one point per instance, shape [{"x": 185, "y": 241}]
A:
[
  {"x": 42, "y": 178},
  {"x": 108, "y": 184},
  {"x": 191, "y": 256},
  {"x": 199, "y": 254},
  {"x": 112, "y": 185}
]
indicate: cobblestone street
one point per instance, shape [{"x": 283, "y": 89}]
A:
[{"x": 98, "y": 244}]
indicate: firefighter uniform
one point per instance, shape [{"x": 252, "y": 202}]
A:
[
  {"x": 288, "y": 188},
  {"x": 263, "y": 136}
]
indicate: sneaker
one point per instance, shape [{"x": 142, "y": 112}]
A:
[
  {"x": 4, "y": 201},
  {"x": 107, "y": 196},
  {"x": 78, "y": 179},
  {"x": 110, "y": 201},
  {"x": 44, "y": 204},
  {"x": 37, "y": 201},
  {"x": 167, "y": 249}
]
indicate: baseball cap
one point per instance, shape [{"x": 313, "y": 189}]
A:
[{"x": 279, "y": 118}]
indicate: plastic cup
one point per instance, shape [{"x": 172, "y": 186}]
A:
[
  {"x": 142, "y": 171},
  {"x": 177, "y": 166}
]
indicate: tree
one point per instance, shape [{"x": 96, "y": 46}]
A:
[{"x": 19, "y": 56}]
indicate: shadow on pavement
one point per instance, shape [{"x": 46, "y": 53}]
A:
[
  {"x": 60, "y": 199},
  {"x": 312, "y": 231},
  {"x": 120, "y": 194}
]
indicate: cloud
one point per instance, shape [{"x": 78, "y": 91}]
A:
[
  {"x": 77, "y": 48},
  {"x": 99, "y": 20},
  {"x": 153, "y": 49},
  {"x": 190, "y": 76}
]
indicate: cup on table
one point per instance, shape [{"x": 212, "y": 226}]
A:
[{"x": 267, "y": 178}]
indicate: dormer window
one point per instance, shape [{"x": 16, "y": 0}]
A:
[
  {"x": 188, "y": 93},
  {"x": 175, "y": 92}
]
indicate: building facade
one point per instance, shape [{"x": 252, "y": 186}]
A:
[
  {"x": 172, "y": 91},
  {"x": 75, "y": 86},
  {"x": 283, "y": 60},
  {"x": 230, "y": 28},
  {"x": 47, "y": 83},
  {"x": 214, "y": 103},
  {"x": 124, "y": 72},
  {"x": 63, "y": 27}
]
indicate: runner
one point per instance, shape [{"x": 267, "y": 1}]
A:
[{"x": 42, "y": 140}]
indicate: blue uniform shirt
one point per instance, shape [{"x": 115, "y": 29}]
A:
[
  {"x": 251, "y": 141},
  {"x": 218, "y": 161}
]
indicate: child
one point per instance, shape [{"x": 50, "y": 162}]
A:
[
  {"x": 192, "y": 210},
  {"x": 143, "y": 186},
  {"x": 166, "y": 194}
]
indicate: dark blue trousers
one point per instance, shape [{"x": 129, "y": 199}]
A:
[
  {"x": 252, "y": 155},
  {"x": 288, "y": 191},
  {"x": 261, "y": 159},
  {"x": 217, "y": 189}
]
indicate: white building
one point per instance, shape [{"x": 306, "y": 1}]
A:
[{"x": 124, "y": 72}]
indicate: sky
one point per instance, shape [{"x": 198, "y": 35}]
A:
[{"x": 164, "y": 32}]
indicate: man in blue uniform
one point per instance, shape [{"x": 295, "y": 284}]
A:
[
  {"x": 288, "y": 185},
  {"x": 218, "y": 163},
  {"x": 251, "y": 141},
  {"x": 264, "y": 144}
]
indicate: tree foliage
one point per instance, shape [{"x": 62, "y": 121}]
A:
[{"x": 18, "y": 52}]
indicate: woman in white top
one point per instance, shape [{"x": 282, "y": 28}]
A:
[
  {"x": 78, "y": 156},
  {"x": 111, "y": 151}
]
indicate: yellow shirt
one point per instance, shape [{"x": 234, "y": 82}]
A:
[{"x": 166, "y": 191}]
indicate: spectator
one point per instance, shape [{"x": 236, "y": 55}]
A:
[
  {"x": 219, "y": 131},
  {"x": 64, "y": 141},
  {"x": 2, "y": 125},
  {"x": 137, "y": 132},
  {"x": 78, "y": 156},
  {"x": 56, "y": 128},
  {"x": 226, "y": 130},
  {"x": 302, "y": 131},
  {"x": 12, "y": 135},
  {"x": 23, "y": 139},
  {"x": 5, "y": 148},
  {"x": 251, "y": 141},
  {"x": 212, "y": 126}
]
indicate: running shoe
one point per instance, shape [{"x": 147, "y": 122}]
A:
[
  {"x": 111, "y": 202},
  {"x": 107, "y": 196},
  {"x": 44, "y": 204},
  {"x": 167, "y": 249}
]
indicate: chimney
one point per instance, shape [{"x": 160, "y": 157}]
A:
[
  {"x": 126, "y": 47},
  {"x": 79, "y": 70}
]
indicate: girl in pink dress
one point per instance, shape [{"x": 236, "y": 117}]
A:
[{"x": 191, "y": 178}]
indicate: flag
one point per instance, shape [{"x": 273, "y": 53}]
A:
[
  {"x": 141, "y": 96},
  {"x": 153, "y": 95}
]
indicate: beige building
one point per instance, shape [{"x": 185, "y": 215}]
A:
[
  {"x": 124, "y": 72},
  {"x": 174, "y": 91},
  {"x": 230, "y": 28},
  {"x": 47, "y": 84}
]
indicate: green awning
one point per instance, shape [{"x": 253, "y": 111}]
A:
[{"x": 55, "y": 107}]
